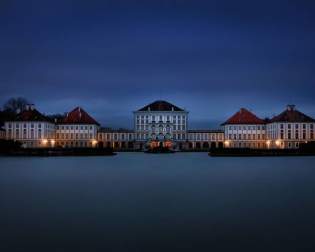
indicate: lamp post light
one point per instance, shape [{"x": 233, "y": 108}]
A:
[
  {"x": 268, "y": 143},
  {"x": 278, "y": 143},
  {"x": 94, "y": 143},
  {"x": 52, "y": 142},
  {"x": 227, "y": 143},
  {"x": 44, "y": 142}
]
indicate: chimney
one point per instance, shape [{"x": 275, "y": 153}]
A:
[
  {"x": 290, "y": 107},
  {"x": 32, "y": 106},
  {"x": 27, "y": 107}
]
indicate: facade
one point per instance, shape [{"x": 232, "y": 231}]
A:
[
  {"x": 244, "y": 130},
  {"x": 160, "y": 123},
  {"x": 289, "y": 129},
  {"x": 118, "y": 139},
  {"x": 2, "y": 133},
  {"x": 77, "y": 129},
  {"x": 31, "y": 128},
  {"x": 205, "y": 139}
]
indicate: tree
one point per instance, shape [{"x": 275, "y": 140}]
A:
[{"x": 15, "y": 104}]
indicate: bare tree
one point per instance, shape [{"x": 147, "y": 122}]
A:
[{"x": 15, "y": 104}]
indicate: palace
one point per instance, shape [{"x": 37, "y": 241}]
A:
[{"x": 160, "y": 123}]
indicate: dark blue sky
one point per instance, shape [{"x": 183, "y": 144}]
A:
[{"x": 112, "y": 57}]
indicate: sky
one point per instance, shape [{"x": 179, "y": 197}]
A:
[{"x": 114, "y": 57}]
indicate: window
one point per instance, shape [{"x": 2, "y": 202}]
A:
[{"x": 281, "y": 126}]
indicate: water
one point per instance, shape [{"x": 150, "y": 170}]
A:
[{"x": 143, "y": 202}]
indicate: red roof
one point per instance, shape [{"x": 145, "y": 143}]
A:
[
  {"x": 292, "y": 115},
  {"x": 78, "y": 116},
  {"x": 31, "y": 114},
  {"x": 243, "y": 116}
]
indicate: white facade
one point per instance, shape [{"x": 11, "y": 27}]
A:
[
  {"x": 32, "y": 134},
  {"x": 245, "y": 136},
  {"x": 76, "y": 135},
  {"x": 289, "y": 135},
  {"x": 117, "y": 139},
  {"x": 161, "y": 125},
  {"x": 205, "y": 139}
]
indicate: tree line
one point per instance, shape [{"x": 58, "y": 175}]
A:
[{"x": 15, "y": 105}]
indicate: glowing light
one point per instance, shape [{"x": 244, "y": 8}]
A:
[
  {"x": 94, "y": 142},
  {"x": 278, "y": 142},
  {"x": 52, "y": 141},
  {"x": 44, "y": 141},
  {"x": 268, "y": 143},
  {"x": 227, "y": 143}
]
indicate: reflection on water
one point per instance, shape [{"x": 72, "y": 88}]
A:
[{"x": 143, "y": 202}]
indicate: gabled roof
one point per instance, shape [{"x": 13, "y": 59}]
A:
[
  {"x": 78, "y": 116},
  {"x": 160, "y": 106},
  {"x": 292, "y": 115},
  {"x": 31, "y": 115},
  {"x": 243, "y": 116}
]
